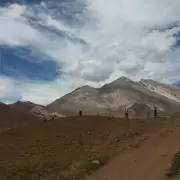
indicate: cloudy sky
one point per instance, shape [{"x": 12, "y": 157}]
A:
[{"x": 50, "y": 47}]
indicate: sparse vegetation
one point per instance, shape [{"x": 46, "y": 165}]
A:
[{"x": 175, "y": 166}]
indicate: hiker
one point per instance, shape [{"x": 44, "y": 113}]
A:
[
  {"x": 126, "y": 114},
  {"x": 80, "y": 112},
  {"x": 155, "y": 112}
]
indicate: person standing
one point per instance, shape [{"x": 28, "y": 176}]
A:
[
  {"x": 80, "y": 112},
  {"x": 126, "y": 114},
  {"x": 155, "y": 112}
]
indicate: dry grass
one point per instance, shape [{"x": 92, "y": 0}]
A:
[{"x": 64, "y": 149}]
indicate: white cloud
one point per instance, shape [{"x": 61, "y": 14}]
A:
[
  {"x": 9, "y": 88},
  {"x": 120, "y": 37}
]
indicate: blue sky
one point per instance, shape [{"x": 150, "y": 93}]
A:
[
  {"x": 19, "y": 63},
  {"x": 48, "y": 48}
]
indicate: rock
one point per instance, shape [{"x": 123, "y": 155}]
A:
[
  {"x": 96, "y": 162},
  {"x": 56, "y": 115}
]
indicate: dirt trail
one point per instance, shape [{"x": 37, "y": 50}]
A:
[{"x": 146, "y": 162}]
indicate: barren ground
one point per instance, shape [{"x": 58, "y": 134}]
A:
[
  {"x": 149, "y": 160},
  {"x": 64, "y": 149}
]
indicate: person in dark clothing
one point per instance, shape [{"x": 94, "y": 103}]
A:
[
  {"x": 155, "y": 112},
  {"x": 80, "y": 112}
]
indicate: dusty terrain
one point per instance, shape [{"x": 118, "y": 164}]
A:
[
  {"x": 149, "y": 160},
  {"x": 72, "y": 148}
]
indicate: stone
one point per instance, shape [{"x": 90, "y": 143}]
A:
[{"x": 96, "y": 162}]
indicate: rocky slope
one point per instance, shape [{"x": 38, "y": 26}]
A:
[
  {"x": 171, "y": 92},
  {"x": 36, "y": 109},
  {"x": 114, "y": 97},
  {"x": 42, "y": 113}
]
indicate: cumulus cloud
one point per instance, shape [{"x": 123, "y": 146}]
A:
[{"x": 94, "y": 41}]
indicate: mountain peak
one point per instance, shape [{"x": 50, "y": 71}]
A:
[
  {"x": 23, "y": 102},
  {"x": 123, "y": 78},
  {"x": 84, "y": 87}
]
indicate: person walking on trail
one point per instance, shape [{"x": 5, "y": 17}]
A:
[{"x": 155, "y": 112}]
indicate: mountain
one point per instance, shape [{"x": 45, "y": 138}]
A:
[
  {"x": 36, "y": 109},
  {"x": 86, "y": 98},
  {"x": 24, "y": 105},
  {"x": 115, "y": 96}
]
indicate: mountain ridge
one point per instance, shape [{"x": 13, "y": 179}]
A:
[
  {"x": 114, "y": 97},
  {"x": 111, "y": 98}
]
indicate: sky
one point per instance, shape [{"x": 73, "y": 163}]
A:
[{"x": 48, "y": 48}]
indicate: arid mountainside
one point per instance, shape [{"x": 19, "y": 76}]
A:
[
  {"x": 114, "y": 97},
  {"x": 172, "y": 92},
  {"x": 111, "y": 99},
  {"x": 24, "y": 105},
  {"x": 86, "y": 98},
  {"x": 36, "y": 109}
]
